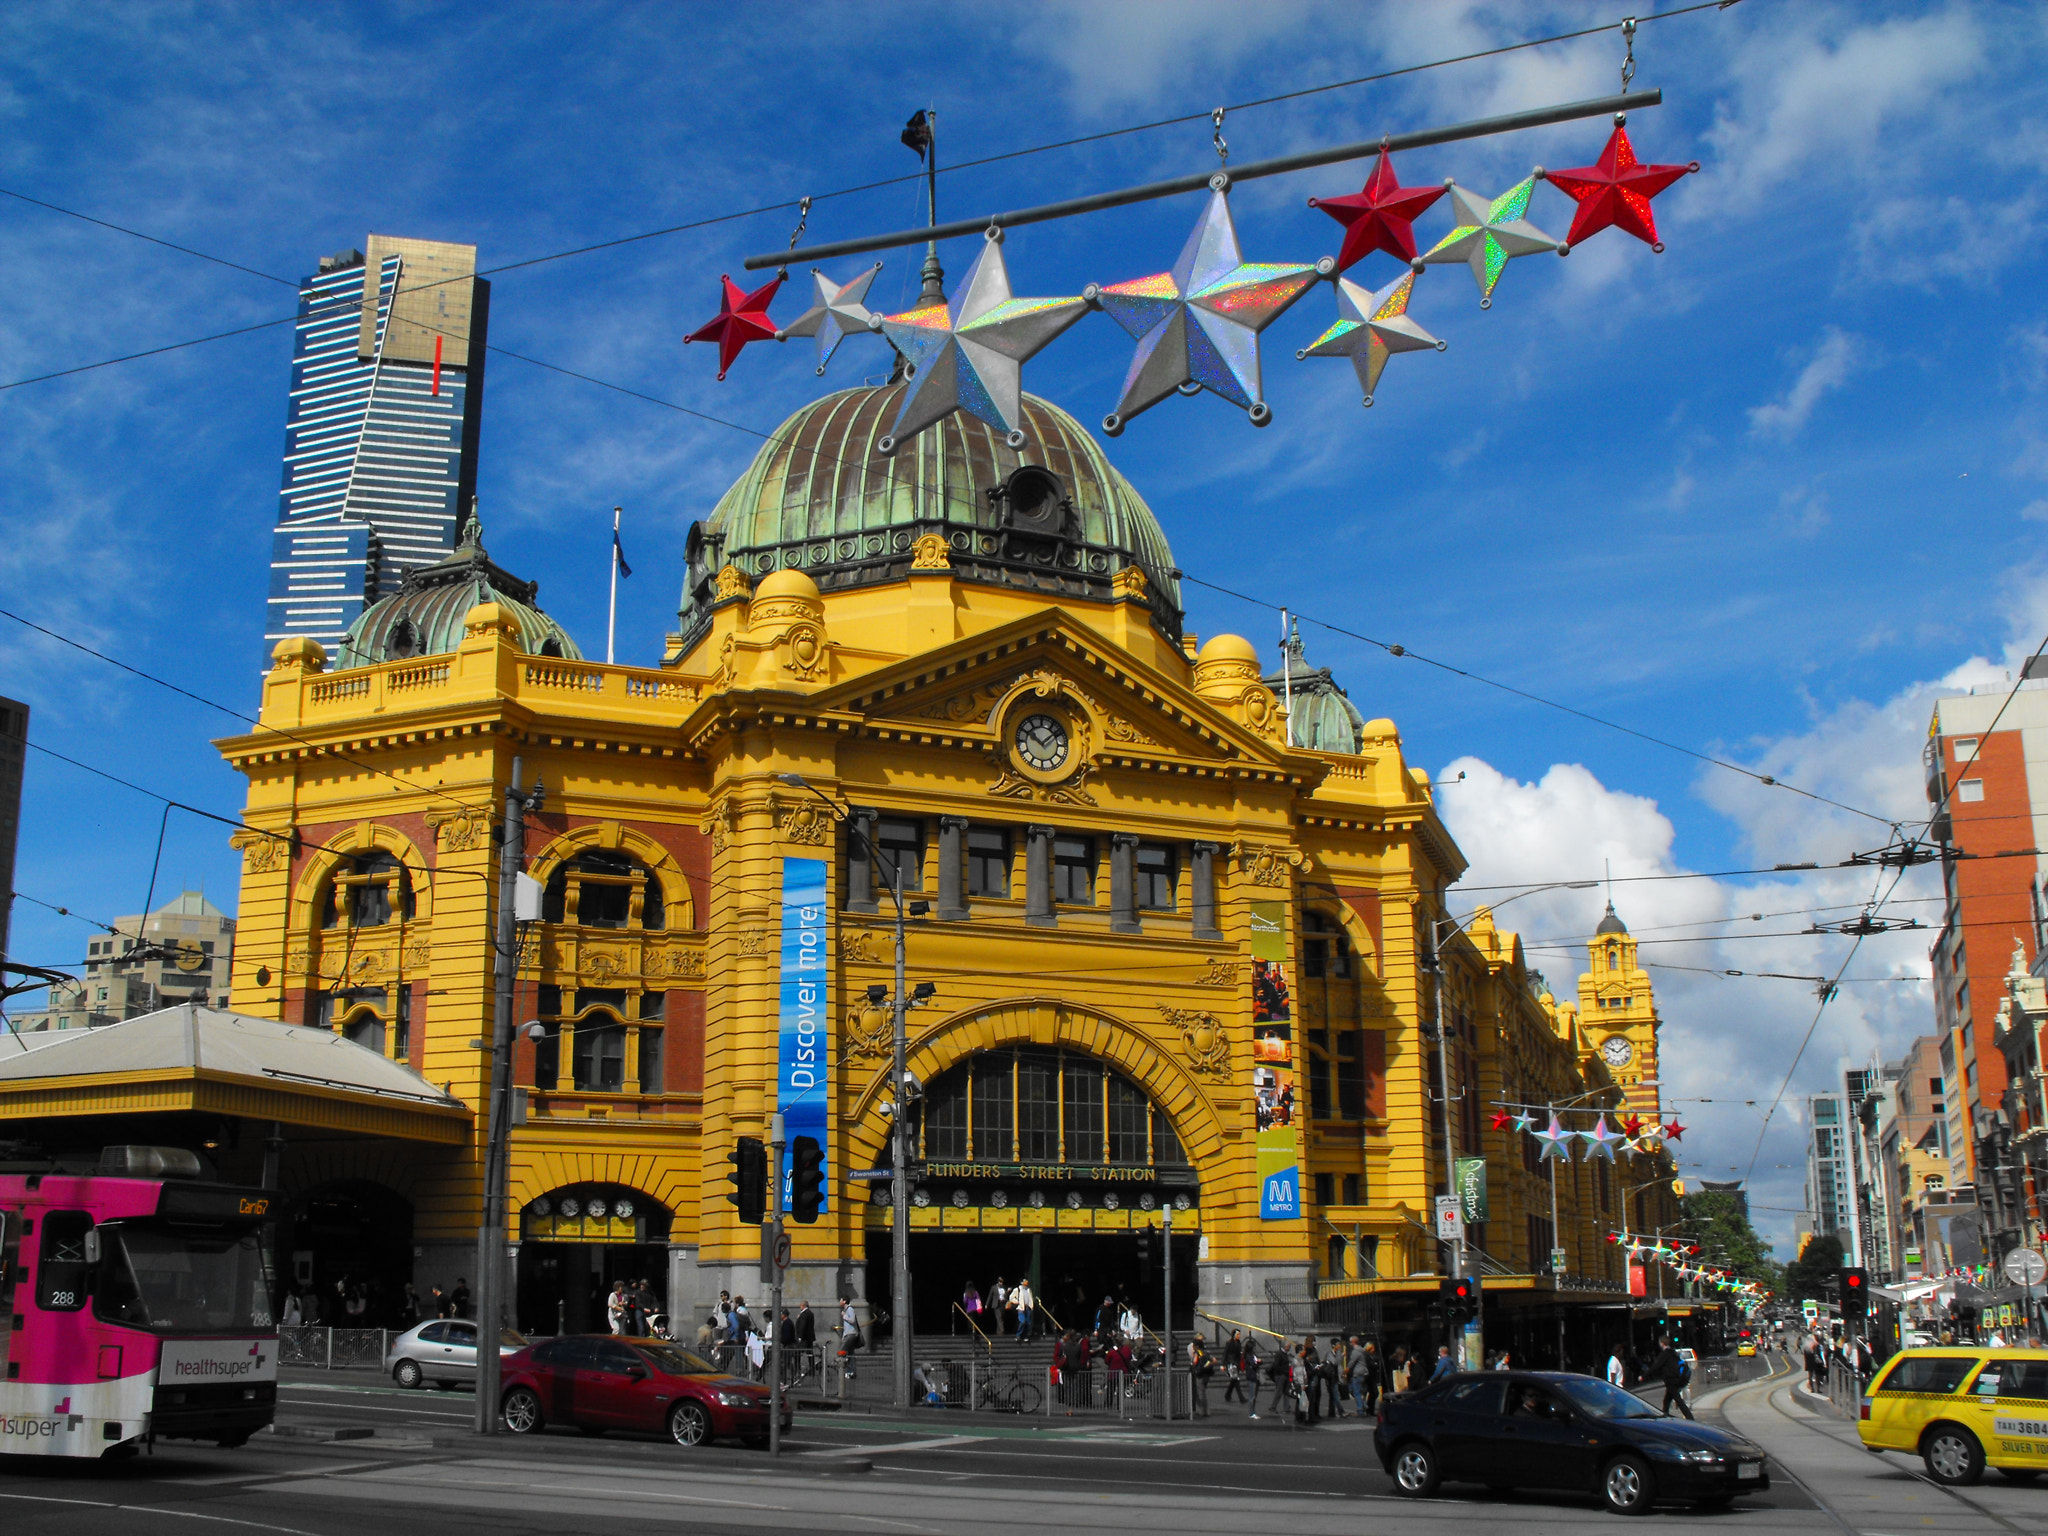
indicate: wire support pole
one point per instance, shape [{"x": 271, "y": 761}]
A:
[{"x": 1249, "y": 170}]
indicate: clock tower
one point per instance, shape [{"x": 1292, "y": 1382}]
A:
[{"x": 1618, "y": 1010}]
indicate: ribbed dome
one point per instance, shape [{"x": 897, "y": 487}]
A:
[
  {"x": 1323, "y": 719},
  {"x": 1611, "y": 923},
  {"x": 424, "y": 616},
  {"x": 820, "y": 498}
]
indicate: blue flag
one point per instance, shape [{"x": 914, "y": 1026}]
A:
[{"x": 619, "y": 555}]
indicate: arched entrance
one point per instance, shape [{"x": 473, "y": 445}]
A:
[
  {"x": 575, "y": 1243},
  {"x": 349, "y": 1239},
  {"x": 1048, "y": 1162}
]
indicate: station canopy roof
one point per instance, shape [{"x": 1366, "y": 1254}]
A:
[{"x": 209, "y": 1060}]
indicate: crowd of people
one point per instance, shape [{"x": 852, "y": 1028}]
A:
[{"x": 357, "y": 1303}]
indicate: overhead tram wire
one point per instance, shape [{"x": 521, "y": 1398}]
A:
[{"x": 815, "y": 198}]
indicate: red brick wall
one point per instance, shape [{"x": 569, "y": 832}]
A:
[{"x": 1995, "y": 905}]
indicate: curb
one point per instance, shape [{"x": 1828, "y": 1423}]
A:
[{"x": 321, "y": 1432}]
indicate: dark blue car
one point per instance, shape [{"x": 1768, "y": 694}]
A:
[{"x": 1548, "y": 1429}]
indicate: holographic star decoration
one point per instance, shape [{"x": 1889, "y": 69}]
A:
[
  {"x": 838, "y": 310},
  {"x": 1198, "y": 325},
  {"x": 1616, "y": 191},
  {"x": 967, "y": 354},
  {"x": 1371, "y": 327},
  {"x": 1488, "y": 235},
  {"x": 1525, "y": 1122},
  {"x": 1557, "y": 1141},
  {"x": 741, "y": 318},
  {"x": 1379, "y": 218},
  {"x": 1600, "y": 1140}
]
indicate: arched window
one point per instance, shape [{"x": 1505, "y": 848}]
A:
[
  {"x": 1036, "y": 1104},
  {"x": 365, "y": 1029},
  {"x": 367, "y": 891},
  {"x": 600, "y": 888},
  {"x": 404, "y": 642}
]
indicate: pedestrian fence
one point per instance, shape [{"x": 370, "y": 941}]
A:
[
  {"x": 1845, "y": 1388},
  {"x": 1025, "y": 1390},
  {"x": 333, "y": 1348}
]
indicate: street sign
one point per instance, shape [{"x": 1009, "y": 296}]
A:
[
  {"x": 872, "y": 1175},
  {"x": 781, "y": 1253},
  {"x": 1557, "y": 1261},
  {"x": 1450, "y": 1219},
  {"x": 2023, "y": 1266}
]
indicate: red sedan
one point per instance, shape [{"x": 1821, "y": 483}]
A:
[{"x": 599, "y": 1383}]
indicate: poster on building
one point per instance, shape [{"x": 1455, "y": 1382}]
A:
[
  {"x": 1273, "y": 1087},
  {"x": 1470, "y": 1176},
  {"x": 801, "y": 1077}
]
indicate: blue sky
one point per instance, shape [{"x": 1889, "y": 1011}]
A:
[{"x": 1762, "y": 495}]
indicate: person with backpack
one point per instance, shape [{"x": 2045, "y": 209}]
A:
[
  {"x": 1233, "y": 1367},
  {"x": 1670, "y": 1368}
]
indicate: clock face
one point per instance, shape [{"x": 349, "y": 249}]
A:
[
  {"x": 1042, "y": 742},
  {"x": 1617, "y": 1050}
]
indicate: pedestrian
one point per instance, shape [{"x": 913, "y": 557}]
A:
[
  {"x": 1106, "y": 1318},
  {"x": 1397, "y": 1370},
  {"x": 408, "y": 1306},
  {"x": 1501, "y": 1361},
  {"x": 970, "y": 1303},
  {"x": 785, "y": 1333},
  {"x": 1022, "y": 1300},
  {"x": 1254, "y": 1373},
  {"x": 757, "y": 1356},
  {"x": 1130, "y": 1324},
  {"x": 849, "y": 1333},
  {"x": 1617, "y": 1375},
  {"x": 1370, "y": 1369},
  {"x": 615, "y": 1307},
  {"x": 806, "y": 1326},
  {"x": 295, "y": 1309},
  {"x": 1233, "y": 1367},
  {"x": 1201, "y": 1366},
  {"x": 993, "y": 1303},
  {"x": 459, "y": 1301},
  {"x": 1311, "y": 1378},
  {"x": 1116, "y": 1367},
  {"x": 1444, "y": 1366},
  {"x": 1668, "y": 1367}
]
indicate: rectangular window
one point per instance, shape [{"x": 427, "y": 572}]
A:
[
  {"x": 1165, "y": 1144},
  {"x": 600, "y": 1055},
  {"x": 1326, "y": 1189},
  {"x": 1351, "y": 1074},
  {"x": 988, "y": 861},
  {"x": 1081, "y": 1095},
  {"x": 1156, "y": 869},
  {"x": 650, "y": 1061},
  {"x": 1073, "y": 871},
  {"x": 945, "y": 1121},
  {"x": 61, "y": 1269},
  {"x": 547, "y": 1057},
  {"x": 1038, "y": 1106},
  {"x": 1927, "y": 1373},
  {"x": 1965, "y": 748},
  {"x": 369, "y": 904},
  {"x": 995, "y": 1108},
  {"x": 900, "y": 842},
  {"x": 1322, "y": 1098},
  {"x": 604, "y": 903},
  {"x": 1351, "y": 1191},
  {"x": 1127, "y": 1115},
  {"x": 1970, "y": 791}
]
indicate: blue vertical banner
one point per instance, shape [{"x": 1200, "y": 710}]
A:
[{"x": 802, "y": 1077}]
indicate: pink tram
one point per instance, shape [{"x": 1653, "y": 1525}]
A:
[{"x": 135, "y": 1303}]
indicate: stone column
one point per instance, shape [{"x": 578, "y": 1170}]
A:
[
  {"x": 1038, "y": 908},
  {"x": 1123, "y": 894},
  {"x": 952, "y": 868},
  {"x": 1202, "y": 890},
  {"x": 860, "y": 864}
]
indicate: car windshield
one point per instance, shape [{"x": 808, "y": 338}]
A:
[
  {"x": 154, "y": 1276},
  {"x": 671, "y": 1361},
  {"x": 1598, "y": 1399}
]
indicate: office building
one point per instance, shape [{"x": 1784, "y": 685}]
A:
[
  {"x": 186, "y": 953},
  {"x": 1830, "y": 1197},
  {"x": 382, "y": 430}
]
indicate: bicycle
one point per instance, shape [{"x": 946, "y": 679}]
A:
[{"x": 1010, "y": 1395}]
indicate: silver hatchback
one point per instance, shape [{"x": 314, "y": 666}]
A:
[{"x": 443, "y": 1351}]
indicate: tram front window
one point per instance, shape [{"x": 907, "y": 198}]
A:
[{"x": 178, "y": 1280}]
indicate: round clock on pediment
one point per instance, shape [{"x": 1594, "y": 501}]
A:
[{"x": 1041, "y": 743}]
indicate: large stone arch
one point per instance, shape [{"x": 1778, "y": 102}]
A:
[
  {"x": 619, "y": 838},
  {"x": 1329, "y": 900},
  {"x": 1144, "y": 1059},
  {"x": 363, "y": 837}
]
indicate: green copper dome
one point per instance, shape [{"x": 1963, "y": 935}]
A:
[
  {"x": 1053, "y": 516},
  {"x": 424, "y": 616},
  {"x": 1323, "y": 719}
]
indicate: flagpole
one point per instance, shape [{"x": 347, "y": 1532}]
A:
[
  {"x": 611, "y": 623},
  {"x": 1287, "y": 673}
]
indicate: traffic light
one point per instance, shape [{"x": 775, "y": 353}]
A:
[
  {"x": 1460, "y": 1298},
  {"x": 806, "y": 1178},
  {"x": 1855, "y": 1293},
  {"x": 749, "y": 1179},
  {"x": 1144, "y": 1247}
]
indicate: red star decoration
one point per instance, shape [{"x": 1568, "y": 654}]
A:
[
  {"x": 1378, "y": 218},
  {"x": 1617, "y": 191},
  {"x": 1632, "y": 1126},
  {"x": 741, "y": 318},
  {"x": 1674, "y": 1131},
  {"x": 1500, "y": 1119}
]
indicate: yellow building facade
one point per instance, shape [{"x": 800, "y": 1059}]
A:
[{"x": 1153, "y": 927}]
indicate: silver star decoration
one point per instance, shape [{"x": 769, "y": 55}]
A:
[
  {"x": 1557, "y": 1141},
  {"x": 1600, "y": 1140},
  {"x": 838, "y": 310},
  {"x": 1488, "y": 235},
  {"x": 968, "y": 353},
  {"x": 1371, "y": 327},
  {"x": 1198, "y": 325}
]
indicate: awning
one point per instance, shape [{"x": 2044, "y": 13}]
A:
[{"x": 212, "y": 1061}]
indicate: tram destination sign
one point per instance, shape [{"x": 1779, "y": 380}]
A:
[{"x": 1073, "y": 1173}]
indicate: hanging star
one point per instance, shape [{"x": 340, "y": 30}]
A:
[
  {"x": 1674, "y": 1131},
  {"x": 1632, "y": 1127},
  {"x": 1616, "y": 190},
  {"x": 1600, "y": 1140},
  {"x": 1557, "y": 1141},
  {"x": 1380, "y": 217},
  {"x": 1525, "y": 1122},
  {"x": 1371, "y": 327},
  {"x": 1500, "y": 1119},
  {"x": 967, "y": 354},
  {"x": 1198, "y": 325},
  {"x": 838, "y": 310},
  {"x": 1489, "y": 235},
  {"x": 741, "y": 318}
]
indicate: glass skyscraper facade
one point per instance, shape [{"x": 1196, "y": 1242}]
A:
[{"x": 381, "y": 431}]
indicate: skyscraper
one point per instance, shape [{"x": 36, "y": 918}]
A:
[{"x": 382, "y": 429}]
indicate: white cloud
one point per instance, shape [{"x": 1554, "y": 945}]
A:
[
  {"x": 2036, "y": 511},
  {"x": 1838, "y": 355}
]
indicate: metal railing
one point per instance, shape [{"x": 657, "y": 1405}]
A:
[{"x": 333, "y": 1348}]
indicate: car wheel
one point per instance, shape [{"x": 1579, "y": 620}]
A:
[
  {"x": 1414, "y": 1470},
  {"x": 1628, "y": 1486},
  {"x": 689, "y": 1424},
  {"x": 1952, "y": 1455},
  {"x": 407, "y": 1374},
  {"x": 521, "y": 1411}
]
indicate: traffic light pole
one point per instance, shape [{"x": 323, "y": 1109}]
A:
[
  {"x": 1453, "y": 1328},
  {"x": 775, "y": 1145},
  {"x": 899, "y": 1206}
]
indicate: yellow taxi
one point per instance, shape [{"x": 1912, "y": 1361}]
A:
[
  {"x": 1746, "y": 1349},
  {"x": 1962, "y": 1408}
]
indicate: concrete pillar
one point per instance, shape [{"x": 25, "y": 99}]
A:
[
  {"x": 1038, "y": 908},
  {"x": 1202, "y": 890},
  {"x": 1123, "y": 883},
  {"x": 860, "y": 864},
  {"x": 952, "y": 868}
]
